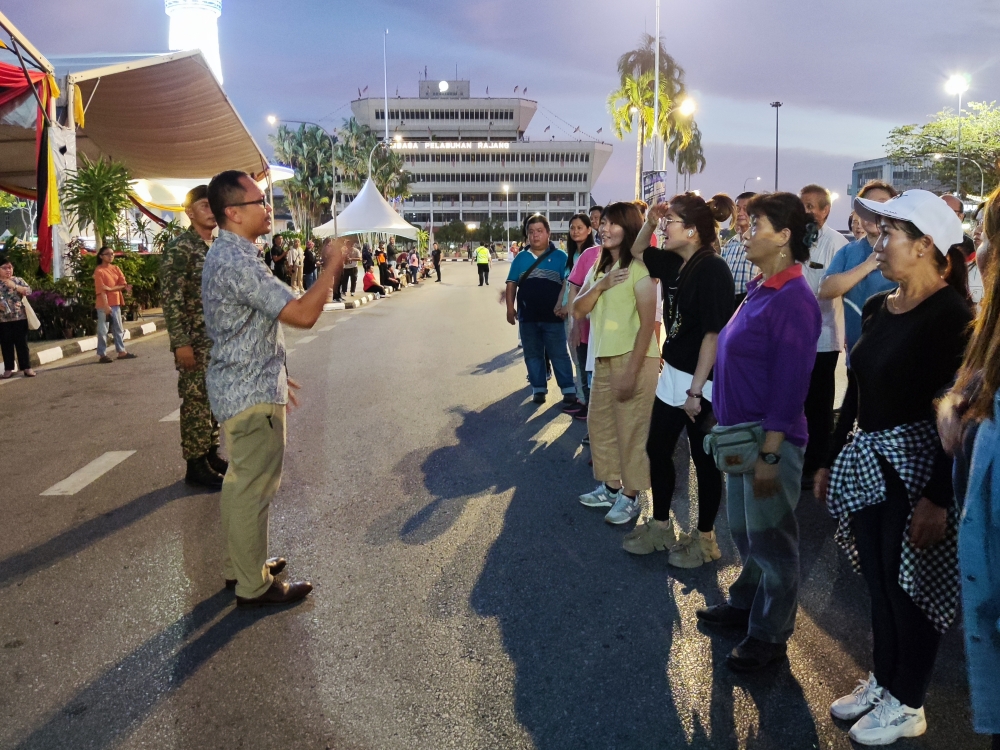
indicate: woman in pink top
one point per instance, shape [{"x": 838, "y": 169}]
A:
[
  {"x": 581, "y": 238},
  {"x": 579, "y": 335}
]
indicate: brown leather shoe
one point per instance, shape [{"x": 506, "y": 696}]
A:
[
  {"x": 280, "y": 593},
  {"x": 274, "y": 565}
]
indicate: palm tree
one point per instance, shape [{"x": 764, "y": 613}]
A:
[
  {"x": 96, "y": 194},
  {"x": 634, "y": 101},
  {"x": 307, "y": 151},
  {"x": 688, "y": 157},
  {"x": 356, "y": 144},
  {"x": 642, "y": 59}
]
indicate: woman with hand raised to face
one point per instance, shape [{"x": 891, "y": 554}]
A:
[
  {"x": 765, "y": 359},
  {"x": 698, "y": 293},
  {"x": 620, "y": 298},
  {"x": 890, "y": 484}
]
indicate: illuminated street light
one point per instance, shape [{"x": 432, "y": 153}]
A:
[
  {"x": 957, "y": 85},
  {"x": 687, "y": 107},
  {"x": 834, "y": 197},
  {"x": 397, "y": 138},
  {"x": 748, "y": 180}
]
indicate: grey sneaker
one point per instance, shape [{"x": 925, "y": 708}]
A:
[
  {"x": 599, "y": 497},
  {"x": 859, "y": 701},
  {"x": 624, "y": 510}
]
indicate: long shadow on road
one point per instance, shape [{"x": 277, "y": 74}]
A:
[{"x": 602, "y": 655}]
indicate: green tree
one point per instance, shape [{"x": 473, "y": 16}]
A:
[
  {"x": 689, "y": 158},
  {"x": 631, "y": 106},
  {"x": 307, "y": 150},
  {"x": 456, "y": 232},
  {"x": 490, "y": 231},
  {"x": 356, "y": 143},
  {"x": 920, "y": 144},
  {"x": 7, "y": 201},
  {"x": 96, "y": 195}
]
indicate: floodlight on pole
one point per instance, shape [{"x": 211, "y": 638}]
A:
[
  {"x": 834, "y": 197},
  {"x": 194, "y": 24},
  {"x": 958, "y": 85},
  {"x": 748, "y": 180},
  {"x": 688, "y": 106}
]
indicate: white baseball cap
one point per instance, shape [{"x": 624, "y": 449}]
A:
[{"x": 926, "y": 211}]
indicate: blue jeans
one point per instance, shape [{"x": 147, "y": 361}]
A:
[
  {"x": 539, "y": 339},
  {"x": 308, "y": 279},
  {"x": 116, "y": 329},
  {"x": 767, "y": 536}
]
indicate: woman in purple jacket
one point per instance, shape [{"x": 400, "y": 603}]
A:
[{"x": 765, "y": 359}]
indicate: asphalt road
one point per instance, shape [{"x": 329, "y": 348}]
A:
[{"x": 463, "y": 597}]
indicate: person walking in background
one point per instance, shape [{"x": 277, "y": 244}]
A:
[
  {"x": 247, "y": 381},
  {"x": 765, "y": 357},
  {"x": 698, "y": 294},
  {"x": 533, "y": 284},
  {"x": 309, "y": 265},
  {"x": 823, "y": 384},
  {"x": 109, "y": 283},
  {"x": 279, "y": 259},
  {"x": 436, "y": 259},
  {"x": 180, "y": 282},
  {"x": 483, "y": 263},
  {"x": 620, "y": 298},
  {"x": 13, "y": 321},
  {"x": 734, "y": 252},
  {"x": 890, "y": 485}
]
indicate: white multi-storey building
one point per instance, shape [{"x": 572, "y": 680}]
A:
[{"x": 470, "y": 161}]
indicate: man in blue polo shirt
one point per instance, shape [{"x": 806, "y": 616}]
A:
[
  {"x": 853, "y": 273},
  {"x": 543, "y": 332}
]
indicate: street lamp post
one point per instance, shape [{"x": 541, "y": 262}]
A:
[
  {"x": 982, "y": 174},
  {"x": 958, "y": 84},
  {"x": 777, "y": 107},
  {"x": 273, "y": 120},
  {"x": 748, "y": 180}
]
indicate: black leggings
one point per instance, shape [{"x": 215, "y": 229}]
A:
[
  {"x": 905, "y": 643},
  {"x": 581, "y": 358},
  {"x": 14, "y": 340},
  {"x": 664, "y": 431},
  {"x": 376, "y": 289},
  {"x": 350, "y": 276}
]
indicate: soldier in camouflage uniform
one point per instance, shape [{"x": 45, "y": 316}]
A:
[{"x": 180, "y": 278}]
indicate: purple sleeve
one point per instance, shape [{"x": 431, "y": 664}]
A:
[{"x": 794, "y": 331}]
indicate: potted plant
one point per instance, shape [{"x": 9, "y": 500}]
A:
[{"x": 96, "y": 195}]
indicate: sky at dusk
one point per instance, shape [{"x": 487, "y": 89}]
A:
[{"x": 846, "y": 71}]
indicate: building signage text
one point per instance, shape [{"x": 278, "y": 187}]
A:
[{"x": 451, "y": 145}]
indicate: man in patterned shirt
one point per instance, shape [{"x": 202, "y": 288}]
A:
[
  {"x": 180, "y": 282},
  {"x": 247, "y": 381},
  {"x": 734, "y": 252}
]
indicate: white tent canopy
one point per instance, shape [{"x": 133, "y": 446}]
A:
[{"x": 369, "y": 212}]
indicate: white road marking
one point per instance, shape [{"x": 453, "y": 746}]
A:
[
  {"x": 305, "y": 340},
  {"x": 174, "y": 416},
  {"x": 50, "y": 355},
  {"x": 89, "y": 473},
  {"x": 324, "y": 329}
]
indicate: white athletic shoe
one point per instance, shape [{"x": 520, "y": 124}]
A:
[
  {"x": 600, "y": 497},
  {"x": 861, "y": 700},
  {"x": 888, "y": 721},
  {"x": 624, "y": 510}
]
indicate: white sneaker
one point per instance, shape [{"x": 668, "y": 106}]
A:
[
  {"x": 600, "y": 497},
  {"x": 860, "y": 700},
  {"x": 624, "y": 510},
  {"x": 888, "y": 721}
]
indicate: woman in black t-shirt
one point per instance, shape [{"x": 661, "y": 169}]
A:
[
  {"x": 890, "y": 485},
  {"x": 698, "y": 292}
]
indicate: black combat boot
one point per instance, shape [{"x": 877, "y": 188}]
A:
[
  {"x": 218, "y": 464},
  {"x": 200, "y": 474}
]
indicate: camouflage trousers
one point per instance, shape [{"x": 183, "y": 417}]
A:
[{"x": 199, "y": 430}]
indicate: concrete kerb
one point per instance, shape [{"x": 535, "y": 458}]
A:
[{"x": 45, "y": 352}]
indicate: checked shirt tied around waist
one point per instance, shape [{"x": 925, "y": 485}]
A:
[{"x": 930, "y": 576}]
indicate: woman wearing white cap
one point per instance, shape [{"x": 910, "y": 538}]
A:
[{"x": 890, "y": 486}]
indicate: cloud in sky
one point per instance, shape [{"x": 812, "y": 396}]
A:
[{"x": 846, "y": 71}]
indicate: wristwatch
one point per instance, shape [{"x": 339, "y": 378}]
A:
[{"x": 770, "y": 458}]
